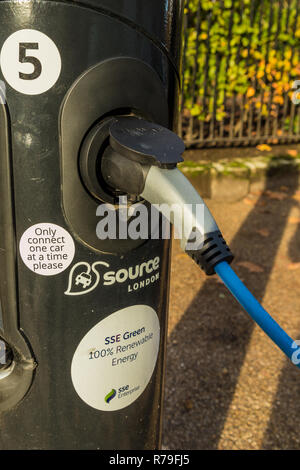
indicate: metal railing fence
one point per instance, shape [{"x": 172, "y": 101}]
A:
[{"x": 241, "y": 62}]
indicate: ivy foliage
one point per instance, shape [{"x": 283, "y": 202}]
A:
[{"x": 247, "y": 49}]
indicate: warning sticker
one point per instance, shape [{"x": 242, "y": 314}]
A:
[
  {"x": 115, "y": 360},
  {"x": 47, "y": 249}
]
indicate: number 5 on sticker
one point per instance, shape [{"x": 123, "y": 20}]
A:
[
  {"x": 30, "y": 62},
  {"x": 23, "y": 58}
]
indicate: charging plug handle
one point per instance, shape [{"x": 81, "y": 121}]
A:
[
  {"x": 141, "y": 160},
  {"x": 134, "y": 146},
  {"x": 145, "y": 142}
]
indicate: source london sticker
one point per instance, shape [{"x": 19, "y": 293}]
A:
[
  {"x": 47, "y": 249},
  {"x": 115, "y": 360}
]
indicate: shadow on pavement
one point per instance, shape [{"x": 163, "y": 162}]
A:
[
  {"x": 283, "y": 429},
  {"x": 206, "y": 349}
]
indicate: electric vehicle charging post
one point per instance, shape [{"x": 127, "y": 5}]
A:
[{"x": 83, "y": 319}]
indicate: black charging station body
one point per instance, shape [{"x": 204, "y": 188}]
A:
[{"x": 66, "y": 295}]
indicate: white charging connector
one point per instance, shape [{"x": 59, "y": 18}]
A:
[
  {"x": 142, "y": 160},
  {"x": 180, "y": 203}
]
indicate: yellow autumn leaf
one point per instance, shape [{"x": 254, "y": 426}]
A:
[
  {"x": 249, "y": 202},
  {"x": 250, "y": 92},
  {"x": 278, "y": 99},
  {"x": 288, "y": 54},
  {"x": 279, "y": 196},
  {"x": 265, "y": 112},
  {"x": 253, "y": 268},
  {"x": 263, "y": 232},
  {"x": 294, "y": 220},
  {"x": 264, "y": 148},
  {"x": 260, "y": 73},
  {"x": 293, "y": 266}
]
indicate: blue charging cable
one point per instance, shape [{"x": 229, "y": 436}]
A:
[{"x": 258, "y": 313}]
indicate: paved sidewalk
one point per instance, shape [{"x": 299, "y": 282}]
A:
[{"x": 227, "y": 385}]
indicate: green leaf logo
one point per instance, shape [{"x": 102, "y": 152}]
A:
[{"x": 110, "y": 396}]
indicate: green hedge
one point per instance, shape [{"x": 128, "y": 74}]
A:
[{"x": 242, "y": 54}]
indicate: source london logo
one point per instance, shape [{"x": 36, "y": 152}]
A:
[
  {"x": 110, "y": 396},
  {"x": 85, "y": 277}
]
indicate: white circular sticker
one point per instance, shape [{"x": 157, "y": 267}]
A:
[
  {"x": 30, "y": 62},
  {"x": 115, "y": 360},
  {"x": 47, "y": 249}
]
